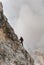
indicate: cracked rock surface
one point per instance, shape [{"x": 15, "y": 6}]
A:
[{"x": 12, "y": 51}]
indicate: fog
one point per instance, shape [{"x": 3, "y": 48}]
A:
[{"x": 27, "y": 19}]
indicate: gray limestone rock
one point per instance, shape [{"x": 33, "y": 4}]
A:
[{"x": 12, "y": 51}]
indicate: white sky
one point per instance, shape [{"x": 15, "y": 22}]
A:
[{"x": 27, "y": 18}]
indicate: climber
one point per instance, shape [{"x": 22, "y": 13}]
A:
[{"x": 21, "y": 40}]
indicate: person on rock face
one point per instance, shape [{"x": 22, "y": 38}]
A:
[{"x": 21, "y": 40}]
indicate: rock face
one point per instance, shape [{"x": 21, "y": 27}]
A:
[
  {"x": 38, "y": 57},
  {"x": 12, "y": 51}
]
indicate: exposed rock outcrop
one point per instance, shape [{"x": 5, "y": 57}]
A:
[
  {"x": 38, "y": 57},
  {"x": 12, "y": 51}
]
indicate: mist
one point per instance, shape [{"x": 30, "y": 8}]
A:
[{"x": 31, "y": 27}]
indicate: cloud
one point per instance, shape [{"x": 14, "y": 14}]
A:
[{"x": 31, "y": 27}]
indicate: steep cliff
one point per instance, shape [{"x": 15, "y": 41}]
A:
[{"x": 12, "y": 51}]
